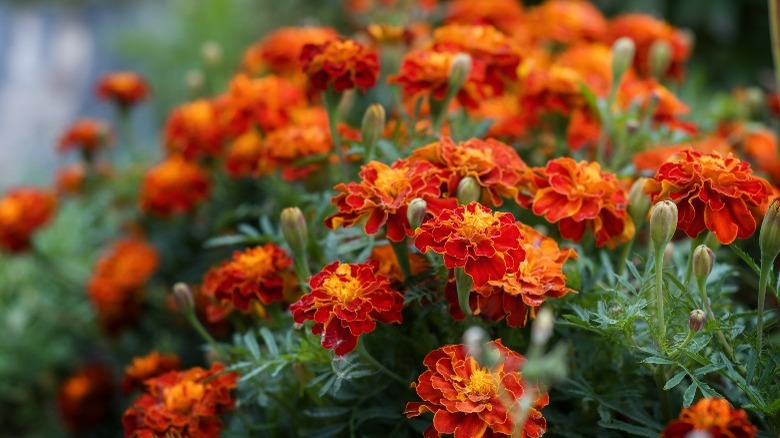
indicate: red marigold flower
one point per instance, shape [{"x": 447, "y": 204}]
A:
[
  {"x": 342, "y": 63},
  {"x": 346, "y": 301},
  {"x": 580, "y": 195},
  {"x": 182, "y": 403},
  {"x": 22, "y": 212},
  {"x": 383, "y": 196},
  {"x": 486, "y": 244},
  {"x": 116, "y": 287},
  {"x": 644, "y": 30},
  {"x": 494, "y": 165},
  {"x": 715, "y": 417},
  {"x": 260, "y": 273},
  {"x": 504, "y": 15},
  {"x": 713, "y": 192},
  {"x": 279, "y": 52},
  {"x": 247, "y": 155},
  {"x": 84, "y": 398},
  {"x": 173, "y": 186},
  {"x": 466, "y": 399},
  {"x": 426, "y": 72},
  {"x": 566, "y": 21},
  {"x": 520, "y": 294},
  {"x": 194, "y": 130},
  {"x": 146, "y": 367},
  {"x": 123, "y": 88},
  {"x": 267, "y": 103},
  {"x": 86, "y": 135}
]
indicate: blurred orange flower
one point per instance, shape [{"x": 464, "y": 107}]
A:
[
  {"x": 566, "y": 21},
  {"x": 346, "y": 301},
  {"x": 384, "y": 256},
  {"x": 713, "y": 416},
  {"x": 147, "y": 367},
  {"x": 22, "y": 212},
  {"x": 247, "y": 156},
  {"x": 266, "y": 103},
  {"x": 577, "y": 196},
  {"x": 84, "y": 398},
  {"x": 173, "y": 186},
  {"x": 85, "y": 135},
  {"x": 182, "y": 403},
  {"x": 714, "y": 192},
  {"x": 644, "y": 30},
  {"x": 340, "y": 63},
  {"x": 194, "y": 131},
  {"x": 669, "y": 109},
  {"x": 279, "y": 51},
  {"x": 124, "y": 88},
  {"x": 284, "y": 147},
  {"x": 485, "y": 244},
  {"x": 467, "y": 400},
  {"x": 504, "y": 15}
]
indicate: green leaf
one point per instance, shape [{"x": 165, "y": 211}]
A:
[
  {"x": 251, "y": 344},
  {"x": 270, "y": 342},
  {"x": 674, "y": 381},
  {"x": 689, "y": 394},
  {"x": 659, "y": 361},
  {"x": 327, "y": 412}
]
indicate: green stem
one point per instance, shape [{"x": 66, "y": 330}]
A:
[
  {"x": 401, "y": 250},
  {"x": 332, "y": 100},
  {"x": 766, "y": 265},
  {"x": 660, "y": 380},
  {"x": 659, "y": 294},
  {"x": 463, "y": 283},
  {"x": 685, "y": 342},
  {"x": 361, "y": 348},
  {"x": 625, "y": 254},
  {"x": 189, "y": 314}
]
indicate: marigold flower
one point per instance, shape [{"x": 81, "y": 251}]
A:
[
  {"x": 669, "y": 109},
  {"x": 494, "y": 165},
  {"x": 713, "y": 192},
  {"x": 580, "y": 195},
  {"x": 116, "y": 287},
  {"x": 247, "y": 155},
  {"x": 182, "y": 403},
  {"x": 508, "y": 121},
  {"x": 566, "y": 21},
  {"x": 267, "y": 103},
  {"x": 173, "y": 186},
  {"x": 84, "y": 398},
  {"x": 644, "y": 30},
  {"x": 466, "y": 399},
  {"x": 22, "y": 212},
  {"x": 287, "y": 145},
  {"x": 652, "y": 159},
  {"x": 384, "y": 256},
  {"x": 384, "y": 194},
  {"x": 85, "y": 135},
  {"x": 520, "y": 294},
  {"x": 341, "y": 63},
  {"x": 346, "y": 301},
  {"x": 486, "y": 244},
  {"x": 194, "y": 130},
  {"x": 713, "y": 416},
  {"x": 256, "y": 274},
  {"x": 146, "y": 367},
  {"x": 504, "y": 15},
  {"x": 123, "y": 88},
  {"x": 279, "y": 52}
]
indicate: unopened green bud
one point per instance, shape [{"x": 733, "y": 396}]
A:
[
  {"x": 373, "y": 124},
  {"x": 638, "y": 202},
  {"x": 211, "y": 52},
  {"x": 663, "y": 223},
  {"x": 459, "y": 70},
  {"x": 468, "y": 190},
  {"x": 542, "y": 328},
  {"x": 182, "y": 296},
  {"x": 415, "y": 213},
  {"x": 294, "y": 229},
  {"x": 696, "y": 320},
  {"x": 660, "y": 58},
  {"x": 769, "y": 237},
  {"x": 623, "y": 50},
  {"x": 703, "y": 260}
]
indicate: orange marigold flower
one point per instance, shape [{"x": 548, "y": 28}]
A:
[
  {"x": 124, "y": 88},
  {"x": 287, "y": 145},
  {"x": 669, "y": 109},
  {"x": 383, "y": 196},
  {"x": 644, "y": 30},
  {"x": 84, "y": 398},
  {"x": 713, "y": 416},
  {"x": 70, "y": 179},
  {"x": 267, "y": 103},
  {"x": 466, "y": 399},
  {"x": 182, "y": 403},
  {"x": 504, "y": 15},
  {"x": 580, "y": 195},
  {"x": 384, "y": 255},
  {"x": 194, "y": 130},
  {"x": 255, "y": 274},
  {"x": 364, "y": 6},
  {"x": 247, "y": 155},
  {"x": 652, "y": 159},
  {"x": 173, "y": 186},
  {"x": 346, "y": 301},
  {"x": 506, "y": 114},
  {"x": 427, "y": 72},
  {"x": 22, "y": 212},
  {"x": 116, "y": 287},
  {"x": 520, "y": 294},
  {"x": 713, "y": 192},
  {"x": 279, "y": 52},
  {"x": 485, "y": 244},
  {"x": 85, "y": 135},
  {"x": 494, "y": 165},
  {"x": 147, "y": 367},
  {"x": 566, "y": 21},
  {"x": 340, "y": 63}
]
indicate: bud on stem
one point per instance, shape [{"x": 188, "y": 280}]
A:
[
  {"x": 296, "y": 234},
  {"x": 371, "y": 129},
  {"x": 623, "y": 50},
  {"x": 416, "y": 211},
  {"x": 468, "y": 191},
  {"x": 660, "y": 58}
]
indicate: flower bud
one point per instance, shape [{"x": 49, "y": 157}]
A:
[
  {"x": 659, "y": 58},
  {"x": 623, "y": 50},
  {"x": 638, "y": 202},
  {"x": 294, "y": 229},
  {"x": 468, "y": 190},
  {"x": 459, "y": 70},
  {"x": 373, "y": 125},
  {"x": 542, "y": 328},
  {"x": 632, "y": 126},
  {"x": 415, "y": 213},
  {"x": 476, "y": 341},
  {"x": 769, "y": 236},
  {"x": 211, "y": 52},
  {"x": 696, "y": 320},
  {"x": 703, "y": 259},
  {"x": 663, "y": 223},
  {"x": 182, "y": 296}
]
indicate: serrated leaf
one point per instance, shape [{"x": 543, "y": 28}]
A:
[
  {"x": 689, "y": 394},
  {"x": 674, "y": 381}
]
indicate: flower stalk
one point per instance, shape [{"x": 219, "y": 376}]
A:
[
  {"x": 332, "y": 100},
  {"x": 463, "y": 284}
]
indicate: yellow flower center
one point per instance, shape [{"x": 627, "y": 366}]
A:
[
  {"x": 198, "y": 113},
  {"x": 182, "y": 396},
  {"x": 390, "y": 181},
  {"x": 481, "y": 382},
  {"x": 10, "y": 211},
  {"x": 475, "y": 224},
  {"x": 342, "y": 285},
  {"x": 255, "y": 263}
]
